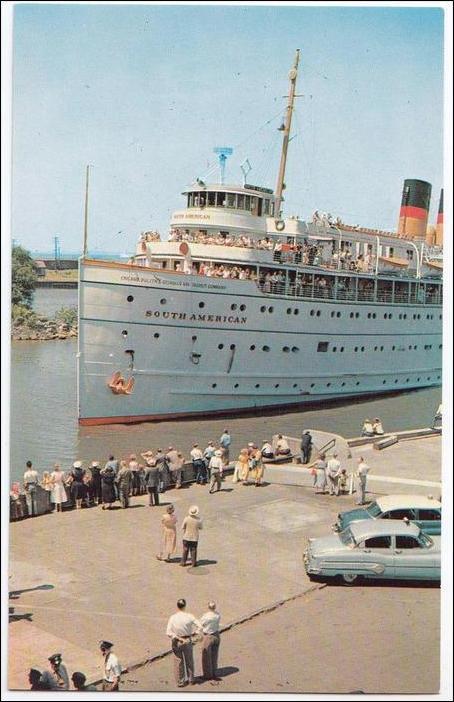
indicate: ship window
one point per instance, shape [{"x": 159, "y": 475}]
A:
[
  {"x": 156, "y": 336},
  {"x": 201, "y": 304},
  {"x": 231, "y": 200},
  {"x": 220, "y": 199},
  {"x": 232, "y": 347},
  {"x": 328, "y": 385},
  {"x": 211, "y": 199},
  {"x": 318, "y": 313},
  {"x": 277, "y": 385},
  {"x": 332, "y": 314},
  {"x": 418, "y": 379},
  {"x": 393, "y": 348},
  {"x": 334, "y": 348},
  {"x": 263, "y": 308},
  {"x": 338, "y": 314},
  {"x": 266, "y": 206},
  {"x": 257, "y": 385},
  {"x": 390, "y": 316},
  {"x": 236, "y": 385},
  {"x": 163, "y": 301},
  {"x": 341, "y": 349},
  {"x": 407, "y": 380},
  {"x": 130, "y": 298},
  {"x": 355, "y": 349},
  {"x": 427, "y": 347},
  {"x": 194, "y": 338},
  {"x": 289, "y": 310},
  {"x": 396, "y": 381},
  {"x": 296, "y": 311},
  {"x": 252, "y": 348},
  {"x": 271, "y": 309},
  {"x": 240, "y": 202},
  {"x": 357, "y": 382},
  {"x": 214, "y": 385},
  {"x": 286, "y": 349},
  {"x": 440, "y": 346},
  {"x": 343, "y": 384},
  {"x": 124, "y": 332},
  {"x": 295, "y": 349},
  {"x": 352, "y": 314},
  {"x": 384, "y": 382},
  {"x": 247, "y": 202},
  {"x": 265, "y": 348},
  {"x": 242, "y": 308},
  {"x": 233, "y": 307},
  {"x": 220, "y": 347},
  {"x": 312, "y": 312},
  {"x": 415, "y": 347},
  {"x": 375, "y": 348},
  {"x": 322, "y": 346},
  {"x": 382, "y": 348},
  {"x": 362, "y": 348}
]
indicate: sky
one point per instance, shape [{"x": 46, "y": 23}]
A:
[{"x": 144, "y": 93}]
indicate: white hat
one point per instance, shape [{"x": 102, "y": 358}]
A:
[
  {"x": 77, "y": 464},
  {"x": 94, "y": 464},
  {"x": 250, "y": 444},
  {"x": 218, "y": 453},
  {"x": 194, "y": 510}
]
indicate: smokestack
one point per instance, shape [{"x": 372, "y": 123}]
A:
[
  {"x": 439, "y": 233},
  {"x": 414, "y": 209}
]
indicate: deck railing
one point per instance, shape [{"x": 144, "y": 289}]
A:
[{"x": 314, "y": 292}]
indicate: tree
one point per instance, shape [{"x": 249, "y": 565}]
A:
[{"x": 23, "y": 277}]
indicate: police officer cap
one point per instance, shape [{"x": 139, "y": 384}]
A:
[
  {"x": 55, "y": 657},
  {"x": 105, "y": 645}
]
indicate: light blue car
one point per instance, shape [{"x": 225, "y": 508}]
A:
[
  {"x": 375, "y": 548},
  {"x": 425, "y": 512}
]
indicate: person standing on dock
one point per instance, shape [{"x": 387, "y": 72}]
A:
[
  {"x": 168, "y": 534},
  {"x": 181, "y": 627},
  {"x": 198, "y": 465},
  {"x": 123, "y": 480},
  {"x": 192, "y": 524},
  {"x": 306, "y": 447},
  {"x": 211, "y": 641},
  {"x": 215, "y": 468},
  {"x": 332, "y": 475},
  {"x": 112, "y": 668},
  {"x": 108, "y": 474},
  {"x": 31, "y": 480},
  {"x": 152, "y": 482},
  {"x": 58, "y": 492},
  {"x": 175, "y": 465},
  {"x": 224, "y": 443},
  {"x": 363, "y": 470},
  {"x": 96, "y": 482},
  {"x": 78, "y": 488},
  {"x": 114, "y": 465}
]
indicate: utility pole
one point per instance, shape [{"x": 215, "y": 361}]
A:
[{"x": 87, "y": 176}]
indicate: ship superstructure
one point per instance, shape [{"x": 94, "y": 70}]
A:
[{"x": 242, "y": 308}]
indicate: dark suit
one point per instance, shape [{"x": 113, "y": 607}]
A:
[
  {"x": 152, "y": 482},
  {"x": 306, "y": 447}
]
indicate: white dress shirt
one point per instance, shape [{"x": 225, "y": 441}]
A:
[
  {"x": 210, "y": 622},
  {"x": 196, "y": 454},
  {"x": 112, "y": 668},
  {"x": 182, "y": 624}
]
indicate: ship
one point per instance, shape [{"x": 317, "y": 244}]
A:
[{"x": 243, "y": 309}]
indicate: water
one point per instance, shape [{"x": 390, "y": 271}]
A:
[
  {"x": 44, "y": 426},
  {"x": 47, "y": 301}
]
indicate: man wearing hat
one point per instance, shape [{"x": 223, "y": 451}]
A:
[
  {"x": 198, "y": 465},
  {"x": 57, "y": 677},
  {"x": 306, "y": 447},
  {"x": 215, "y": 467},
  {"x": 96, "y": 482},
  {"x": 191, "y": 527},
  {"x": 181, "y": 627},
  {"x": 112, "y": 668}
]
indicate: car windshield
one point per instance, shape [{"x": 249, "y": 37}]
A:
[
  {"x": 374, "y": 510},
  {"x": 425, "y": 540},
  {"x": 347, "y": 538}
]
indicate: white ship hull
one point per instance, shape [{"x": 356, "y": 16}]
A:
[{"x": 198, "y": 346}]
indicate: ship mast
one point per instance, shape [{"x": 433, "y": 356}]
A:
[
  {"x": 87, "y": 176},
  {"x": 288, "y": 122}
]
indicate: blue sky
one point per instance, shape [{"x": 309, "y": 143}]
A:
[{"x": 145, "y": 92}]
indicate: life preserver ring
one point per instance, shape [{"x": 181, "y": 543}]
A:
[{"x": 280, "y": 225}]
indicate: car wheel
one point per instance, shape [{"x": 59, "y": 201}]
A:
[{"x": 349, "y": 578}]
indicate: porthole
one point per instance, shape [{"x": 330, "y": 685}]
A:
[
  {"x": 263, "y": 308},
  {"x": 296, "y": 311},
  {"x": 338, "y": 314},
  {"x": 286, "y": 349},
  {"x": 156, "y": 335},
  {"x": 295, "y": 349},
  {"x": 124, "y": 332},
  {"x": 357, "y": 382},
  {"x": 257, "y": 385},
  {"x": 405, "y": 316},
  {"x": 232, "y": 347},
  {"x": 415, "y": 348},
  {"x": 220, "y": 346},
  {"x": 438, "y": 377},
  {"x": 407, "y": 380},
  {"x": 384, "y": 382},
  {"x": 418, "y": 379},
  {"x": 214, "y": 385},
  {"x": 356, "y": 349},
  {"x": 130, "y": 298},
  {"x": 201, "y": 304},
  {"x": 312, "y": 312},
  {"x": 385, "y": 316},
  {"x": 440, "y": 346},
  {"x": 356, "y": 315},
  {"x": 328, "y": 385},
  {"x": 163, "y": 301},
  {"x": 265, "y": 348},
  {"x": 242, "y": 308},
  {"x": 271, "y": 309},
  {"x": 375, "y": 348},
  {"x": 295, "y": 385},
  {"x": 233, "y": 306},
  {"x": 341, "y": 349},
  {"x": 342, "y": 385},
  {"x": 396, "y": 381},
  {"x": 332, "y": 314},
  {"x": 236, "y": 385},
  {"x": 289, "y": 310},
  {"x": 334, "y": 349},
  {"x": 194, "y": 338},
  {"x": 428, "y": 378},
  {"x": 318, "y": 313},
  {"x": 390, "y": 316},
  {"x": 374, "y": 315},
  {"x": 312, "y": 385},
  {"x": 393, "y": 348},
  {"x": 252, "y": 348},
  {"x": 362, "y": 348},
  {"x": 277, "y": 385},
  {"x": 352, "y": 314},
  {"x": 382, "y": 348}
]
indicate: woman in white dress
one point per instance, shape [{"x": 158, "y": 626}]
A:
[{"x": 58, "y": 492}]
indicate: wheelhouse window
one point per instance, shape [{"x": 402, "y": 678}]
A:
[
  {"x": 220, "y": 200},
  {"x": 266, "y": 206},
  {"x": 231, "y": 200},
  {"x": 322, "y": 346},
  {"x": 240, "y": 201},
  {"x": 211, "y": 199}
]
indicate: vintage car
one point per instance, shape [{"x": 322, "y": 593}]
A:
[
  {"x": 423, "y": 511},
  {"x": 372, "y": 548}
]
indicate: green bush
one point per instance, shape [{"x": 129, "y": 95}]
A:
[
  {"x": 23, "y": 277},
  {"x": 67, "y": 315}
]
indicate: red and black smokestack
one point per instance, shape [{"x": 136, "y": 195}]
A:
[
  {"x": 414, "y": 209},
  {"x": 439, "y": 234}
]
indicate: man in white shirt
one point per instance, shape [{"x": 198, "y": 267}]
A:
[
  {"x": 112, "y": 668},
  {"x": 224, "y": 443},
  {"x": 332, "y": 474},
  {"x": 363, "y": 470},
  {"x": 216, "y": 466},
  {"x": 198, "y": 465},
  {"x": 282, "y": 447},
  {"x": 181, "y": 627},
  {"x": 211, "y": 640},
  {"x": 31, "y": 481}
]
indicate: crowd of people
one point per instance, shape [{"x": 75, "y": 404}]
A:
[{"x": 56, "y": 677}]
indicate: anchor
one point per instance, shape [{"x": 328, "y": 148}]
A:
[{"x": 121, "y": 386}]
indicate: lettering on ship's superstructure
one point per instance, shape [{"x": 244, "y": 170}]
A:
[
  {"x": 216, "y": 318},
  {"x": 153, "y": 279}
]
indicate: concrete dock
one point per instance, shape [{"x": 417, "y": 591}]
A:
[{"x": 78, "y": 577}]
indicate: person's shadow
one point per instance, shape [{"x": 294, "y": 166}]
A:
[{"x": 17, "y": 617}]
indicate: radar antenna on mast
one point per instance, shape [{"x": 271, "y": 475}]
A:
[{"x": 223, "y": 152}]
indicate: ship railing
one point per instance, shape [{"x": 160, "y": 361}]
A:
[{"x": 317, "y": 292}]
